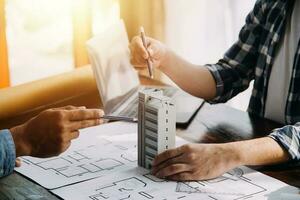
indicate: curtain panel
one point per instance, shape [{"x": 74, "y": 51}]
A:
[
  {"x": 149, "y": 14},
  {"x": 4, "y": 70}
]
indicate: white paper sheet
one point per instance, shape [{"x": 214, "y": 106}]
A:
[
  {"x": 102, "y": 164},
  {"x": 98, "y": 151},
  {"x": 138, "y": 184}
]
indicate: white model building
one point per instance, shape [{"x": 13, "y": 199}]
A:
[{"x": 156, "y": 125}]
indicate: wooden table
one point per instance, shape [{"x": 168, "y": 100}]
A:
[{"x": 213, "y": 123}]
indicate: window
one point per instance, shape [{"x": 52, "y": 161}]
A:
[{"x": 42, "y": 35}]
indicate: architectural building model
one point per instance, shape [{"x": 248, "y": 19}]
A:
[{"x": 156, "y": 125}]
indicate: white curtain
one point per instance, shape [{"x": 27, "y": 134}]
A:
[{"x": 202, "y": 30}]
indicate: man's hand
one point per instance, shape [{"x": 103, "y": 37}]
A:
[
  {"x": 50, "y": 133},
  {"x": 207, "y": 161},
  {"x": 139, "y": 54},
  {"x": 194, "y": 79},
  {"x": 195, "y": 162}
]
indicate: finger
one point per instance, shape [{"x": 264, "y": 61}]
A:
[
  {"x": 74, "y": 135},
  {"x": 138, "y": 61},
  {"x": 185, "y": 176},
  {"x": 172, "y": 170},
  {"x": 138, "y": 58},
  {"x": 139, "y": 66},
  {"x": 18, "y": 162},
  {"x": 153, "y": 51},
  {"x": 168, "y": 154},
  {"x": 136, "y": 52},
  {"x": 175, "y": 160},
  {"x": 65, "y": 147},
  {"x": 71, "y": 136},
  {"x": 69, "y": 108},
  {"x": 84, "y": 114},
  {"x": 76, "y": 125},
  {"x": 138, "y": 47}
]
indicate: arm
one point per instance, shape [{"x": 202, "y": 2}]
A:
[
  {"x": 51, "y": 132},
  {"x": 220, "y": 81},
  {"x": 262, "y": 151},
  {"x": 207, "y": 161},
  {"x": 282, "y": 145},
  {"x": 288, "y": 137},
  {"x": 48, "y": 134},
  {"x": 196, "y": 80}
]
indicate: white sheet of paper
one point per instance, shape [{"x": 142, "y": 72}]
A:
[
  {"x": 98, "y": 151},
  {"x": 138, "y": 184},
  {"x": 104, "y": 160}
]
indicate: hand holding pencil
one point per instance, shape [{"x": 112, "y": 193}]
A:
[{"x": 147, "y": 52}]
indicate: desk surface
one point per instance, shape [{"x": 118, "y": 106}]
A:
[{"x": 213, "y": 123}]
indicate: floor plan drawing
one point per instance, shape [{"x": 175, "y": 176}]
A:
[
  {"x": 102, "y": 165},
  {"x": 122, "y": 190},
  {"x": 64, "y": 165},
  {"x": 138, "y": 184},
  {"x": 223, "y": 186},
  {"x": 129, "y": 188},
  {"x": 102, "y": 155},
  {"x": 133, "y": 184}
]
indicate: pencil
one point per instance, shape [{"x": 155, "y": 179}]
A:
[
  {"x": 149, "y": 63},
  {"x": 119, "y": 118}
]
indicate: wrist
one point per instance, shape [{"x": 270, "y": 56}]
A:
[
  {"x": 18, "y": 135},
  {"x": 164, "y": 64},
  {"x": 235, "y": 155}
]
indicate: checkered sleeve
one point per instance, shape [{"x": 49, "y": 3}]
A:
[
  {"x": 289, "y": 138},
  {"x": 234, "y": 72}
]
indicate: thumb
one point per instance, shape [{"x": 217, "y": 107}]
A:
[{"x": 18, "y": 162}]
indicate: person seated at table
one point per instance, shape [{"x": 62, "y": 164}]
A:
[
  {"x": 48, "y": 134},
  {"x": 268, "y": 52}
]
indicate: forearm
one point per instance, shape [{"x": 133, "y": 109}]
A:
[
  {"x": 262, "y": 151},
  {"x": 196, "y": 80}
]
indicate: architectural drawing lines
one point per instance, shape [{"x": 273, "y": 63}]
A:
[
  {"x": 232, "y": 178},
  {"x": 63, "y": 166}
]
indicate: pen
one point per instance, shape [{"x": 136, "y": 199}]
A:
[
  {"x": 149, "y": 63},
  {"x": 119, "y": 118}
]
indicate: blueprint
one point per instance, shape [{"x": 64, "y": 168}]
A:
[
  {"x": 98, "y": 151},
  {"x": 102, "y": 164},
  {"x": 138, "y": 184}
]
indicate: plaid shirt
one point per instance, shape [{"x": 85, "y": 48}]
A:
[{"x": 251, "y": 58}]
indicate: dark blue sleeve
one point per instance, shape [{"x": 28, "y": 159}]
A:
[{"x": 7, "y": 153}]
